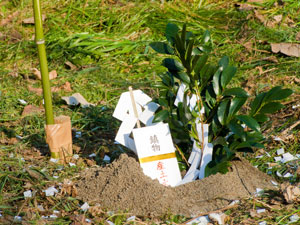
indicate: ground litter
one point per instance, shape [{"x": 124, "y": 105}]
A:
[{"x": 122, "y": 185}]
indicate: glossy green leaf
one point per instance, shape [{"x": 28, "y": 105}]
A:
[
  {"x": 261, "y": 118},
  {"x": 249, "y": 121},
  {"x": 256, "y": 103},
  {"x": 238, "y": 92},
  {"x": 183, "y": 77},
  {"x": 227, "y": 75},
  {"x": 172, "y": 64},
  {"x": 224, "y": 62},
  {"x": 271, "y": 107},
  {"x": 163, "y": 102},
  {"x": 162, "y": 48},
  {"x": 277, "y": 93},
  {"x": 205, "y": 37},
  {"x": 216, "y": 82},
  {"x": 200, "y": 63},
  {"x": 214, "y": 168},
  {"x": 223, "y": 111},
  {"x": 171, "y": 31},
  {"x": 235, "y": 105},
  {"x": 161, "y": 116},
  {"x": 237, "y": 129}
]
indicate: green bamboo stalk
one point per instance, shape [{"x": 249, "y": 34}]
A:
[{"x": 40, "y": 41}]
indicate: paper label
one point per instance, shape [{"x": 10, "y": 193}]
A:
[{"x": 156, "y": 152}]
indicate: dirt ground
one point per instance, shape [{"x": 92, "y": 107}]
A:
[{"x": 122, "y": 185}]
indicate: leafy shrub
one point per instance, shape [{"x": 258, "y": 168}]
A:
[{"x": 230, "y": 130}]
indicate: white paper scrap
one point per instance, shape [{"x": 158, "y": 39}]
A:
[
  {"x": 55, "y": 211},
  {"x": 202, "y": 220},
  {"x": 85, "y": 206},
  {"x": 259, "y": 192},
  {"x": 23, "y": 102},
  {"x": 53, "y": 216},
  {"x": 88, "y": 220},
  {"x": 54, "y": 160},
  {"x": 106, "y": 158},
  {"x": 75, "y": 156},
  {"x": 286, "y": 157},
  {"x": 78, "y": 134},
  {"x": 262, "y": 223},
  {"x": 131, "y": 218},
  {"x": 278, "y": 174},
  {"x": 27, "y": 194},
  {"x": 123, "y": 135},
  {"x": 219, "y": 217},
  {"x": 234, "y": 202},
  {"x": 207, "y": 157},
  {"x": 280, "y": 151},
  {"x": 294, "y": 218},
  {"x": 41, "y": 208},
  {"x": 92, "y": 155},
  {"x": 72, "y": 164},
  {"x": 274, "y": 183},
  {"x": 193, "y": 102},
  {"x": 277, "y": 158},
  {"x": 109, "y": 222},
  {"x": 77, "y": 99},
  {"x": 156, "y": 153},
  {"x": 260, "y": 211},
  {"x": 17, "y": 218},
  {"x": 287, "y": 175},
  {"x": 50, "y": 191},
  {"x": 277, "y": 138}
]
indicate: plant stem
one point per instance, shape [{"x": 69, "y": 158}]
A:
[{"x": 40, "y": 41}]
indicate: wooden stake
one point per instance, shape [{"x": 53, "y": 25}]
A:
[{"x": 134, "y": 107}]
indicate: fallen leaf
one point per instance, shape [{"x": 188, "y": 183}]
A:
[
  {"x": 31, "y": 109},
  {"x": 8, "y": 19},
  {"x": 289, "y": 49},
  {"x": 290, "y": 192},
  {"x": 71, "y": 65},
  {"x": 298, "y": 36},
  {"x": 259, "y": 16},
  {"x": 270, "y": 59},
  {"x": 52, "y": 74},
  {"x": 67, "y": 87},
  {"x": 31, "y": 20},
  {"x": 244, "y": 7},
  {"x": 38, "y": 91},
  {"x": 37, "y": 73},
  {"x": 278, "y": 18}
]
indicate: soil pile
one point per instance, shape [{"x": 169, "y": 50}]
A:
[{"x": 122, "y": 185}]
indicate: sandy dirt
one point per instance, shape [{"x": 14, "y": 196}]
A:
[{"x": 122, "y": 185}]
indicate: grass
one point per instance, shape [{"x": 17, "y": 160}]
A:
[{"x": 107, "y": 41}]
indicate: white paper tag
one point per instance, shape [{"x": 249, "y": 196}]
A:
[
  {"x": 123, "y": 135},
  {"x": 156, "y": 152},
  {"x": 207, "y": 157},
  {"x": 180, "y": 94}
]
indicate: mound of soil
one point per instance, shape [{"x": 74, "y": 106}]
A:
[{"x": 122, "y": 185}]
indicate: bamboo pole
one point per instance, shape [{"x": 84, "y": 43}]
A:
[{"x": 40, "y": 41}]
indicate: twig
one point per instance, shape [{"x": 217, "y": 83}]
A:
[
  {"x": 283, "y": 133},
  {"x": 182, "y": 155},
  {"x": 134, "y": 107},
  {"x": 215, "y": 211}
]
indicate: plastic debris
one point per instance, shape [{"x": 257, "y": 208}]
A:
[
  {"x": 202, "y": 220},
  {"x": 259, "y": 192},
  {"x": 78, "y": 134},
  {"x": 50, "y": 191},
  {"x": 260, "y": 211},
  {"x": 77, "y": 99},
  {"x": 294, "y": 218},
  {"x": 278, "y": 174},
  {"x": 23, "y": 102},
  {"x": 72, "y": 164},
  {"x": 131, "y": 218},
  {"x": 53, "y": 216},
  {"x": 54, "y": 160},
  {"x": 220, "y": 218},
  {"x": 92, "y": 155},
  {"x": 287, "y": 157},
  {"x": 109, "y": 222},
  {"x": 85, "y": 206},
  {"x": 287, "y": 175},
  {"x": 274, "y": 183},
  {"x": 277, "y": 159},
  {"x": 17, "y": 218},
  {"x": 235, "y": 202},
  {"x": 27, "y": 194},
  {"x": 262, "y": 223},
  {"x": 106, "y": 158},
  {"x": 280, "y": 151}
]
